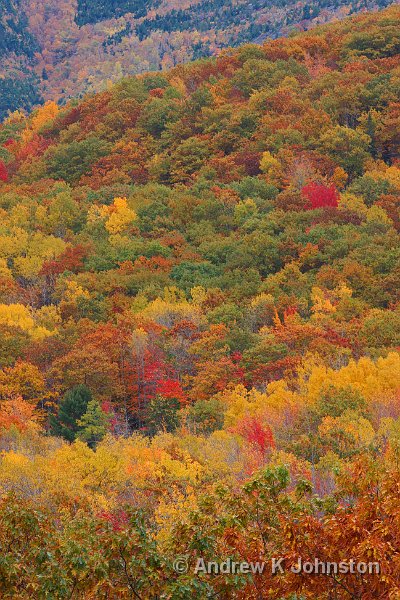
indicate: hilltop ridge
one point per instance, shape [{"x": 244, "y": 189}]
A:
[{"x": 56, "y": 50}]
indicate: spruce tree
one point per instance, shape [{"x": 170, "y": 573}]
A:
[{"x": 72, "y": 407}]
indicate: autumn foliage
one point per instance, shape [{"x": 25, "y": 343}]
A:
[
  {"x": 320, "y": 196},
  {"x": 3, "y": 172},
  {"x": 199, "y": 326}
]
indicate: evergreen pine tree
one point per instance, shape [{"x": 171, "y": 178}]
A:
[
  {"x": 71, "y": 409},
  {"x": 371, "y": 127}
]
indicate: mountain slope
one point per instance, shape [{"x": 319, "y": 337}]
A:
[
  {"x": 59, "y": 50},
  {"x": 199, "y": 326},
  {"x": 211, "y": 175}
]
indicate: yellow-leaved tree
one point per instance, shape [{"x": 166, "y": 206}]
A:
[
  {"x": 45, "y": 114},
  {"x": 19, "y": 316},
  {"x": 119, "y": 216}
]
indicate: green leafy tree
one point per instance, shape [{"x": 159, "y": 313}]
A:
[
  {"x": 207, "y": 415},
  {"x": 162, "y": 415},
  {"x": 348, "y": 146},
  {"x": 93, "y": 424},
  {"x": 70, "y": 162}
]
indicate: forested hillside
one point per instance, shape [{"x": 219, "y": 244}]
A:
[
  {"x": 199, "y": 325},
  {"x": 19, "y": 86},
  {"x": 58, "y": 49}
]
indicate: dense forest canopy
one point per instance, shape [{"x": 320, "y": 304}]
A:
[
  {"x": 199, "y": 324},
  {"x": 60, "y": 49},
  {"x": 90, "y": 12}
]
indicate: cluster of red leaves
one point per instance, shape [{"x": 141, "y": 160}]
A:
[
  {"x": 70, "y": 260},
  {"x": 170, "y": 388},
  {"x": 258, "y": 435},
  {"x": 3, "y": 172},
  {"x": 319, "y": 195},
  {"x": 118, "y": 520}
]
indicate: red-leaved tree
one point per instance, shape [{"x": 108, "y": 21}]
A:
[
  {"x": 170, "y": 388},
  {"x": 3, "y": 172},
  {"x": 257, "y": 434},
  {"x": 319, "y": 195}
]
